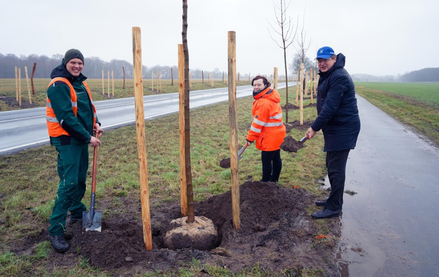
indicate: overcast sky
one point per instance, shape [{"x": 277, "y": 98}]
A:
[{"x": 379, "y": 37}]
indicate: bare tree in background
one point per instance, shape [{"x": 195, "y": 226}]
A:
[
  {"x": 287, "y": 32},
  {"x": 302, "y": 49}
]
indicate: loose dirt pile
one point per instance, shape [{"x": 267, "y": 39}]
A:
[{"x": 276, "y": 233}]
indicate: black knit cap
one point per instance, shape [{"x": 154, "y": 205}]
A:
[{"x": 71, "y": 54}]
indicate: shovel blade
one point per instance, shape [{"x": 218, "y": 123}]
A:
[{"x": 92, "y": 221}]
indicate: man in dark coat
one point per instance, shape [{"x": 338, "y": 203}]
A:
[{"x": 339, "y": 120}]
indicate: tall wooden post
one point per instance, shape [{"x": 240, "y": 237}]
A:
[
  {"x": 275, "y": 79},
  {"x": 108, "y": 74},
  {"x": 112, "y": 82},
  {"x": 103, "y": 82},
  {"x": 213, "y": 80},
  {"x": 19, "y": 86},
  {"x": 28, "y": 87},
  {"x": 233, "y": 124},
  {"x": 301, "y": 94},
  {"x": 141, "y": 144},
  {"x": 32, "y": 78},
  {"x": 183, "y": 185},
  {"x": 16, "y": 84},
  {"x": 297, "y": 88},
  {"x": 172, "y": 76},
  {"x": 317, "y": 84}
]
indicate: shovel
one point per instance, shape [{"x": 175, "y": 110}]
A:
[
  {"x": 302, "y": 140},
  {"x": 241, "y": 151},
  {"x": 92, "y": 220},
  {"x": 225, "y": 163}
]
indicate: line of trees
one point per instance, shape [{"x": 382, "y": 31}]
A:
[
  {"x": 93, "y": 68},
  {"x": 423, "y": 75}
]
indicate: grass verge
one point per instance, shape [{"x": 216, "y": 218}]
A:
[{"x": 29, "y": 178}]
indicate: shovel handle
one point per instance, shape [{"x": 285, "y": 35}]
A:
[
  {"x": 95, "y": 162},
  {"x": 303, "y": 139},
  {"x": 242, "y": 150}
]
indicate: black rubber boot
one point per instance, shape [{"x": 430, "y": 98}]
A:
[{"x": 59, "y": 243}]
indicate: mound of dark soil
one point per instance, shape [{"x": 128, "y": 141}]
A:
[
  {"x": 291, "y": 145},
  {"x": 296, "y": 125},
  {"x": 294, "y": 107},
  {"x": 275, "y": 233},
  {"x": 12, "y": 102}
]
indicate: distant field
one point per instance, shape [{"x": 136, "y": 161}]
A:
[
  {"x": 424, "y": 92},
  {"x": 414, "y": 104}
]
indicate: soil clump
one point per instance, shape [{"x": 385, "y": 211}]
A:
[{"x": 276, "y": 234}]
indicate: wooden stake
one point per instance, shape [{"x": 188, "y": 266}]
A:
[
  {"x": 16, "y": 84},
  {"x": 32, "y": 78},
  {"x": 297, "y": 88},
  {"x": 19, "y": 87},
  {"x": 112, "y": 82},
  {"x": 108, "y": 74},
  {"x": 233, "y": 125},
  {"x": 275, "y": 79},
  {"x": 317, "y": 84},
  {"x": 301, "y": 94},
  {"x": 183, "y": 185},
  {"x": 160, "y": 80},
  {"x": 141, "y": 144},
  {"x": 28, "y": 87},
  {"x": 103, "y": 84},
  {"x": 172, "y": 77},
  {"x": 212, "y": 80}
]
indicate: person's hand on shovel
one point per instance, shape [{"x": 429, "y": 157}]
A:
[
  {"x": 247, "y": 143},
  {"x": 310, "y": 133},
  {"x": 97, "y": 130}
]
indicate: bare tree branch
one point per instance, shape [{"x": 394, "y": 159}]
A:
[{"x": 287, "y": 32}]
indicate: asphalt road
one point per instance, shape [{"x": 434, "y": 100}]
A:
[
  {"x": 391, "y": 226},
  {"x": 23, "y": 129}
]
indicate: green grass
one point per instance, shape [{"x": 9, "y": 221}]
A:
[
  {"x": 428, "y": 93},
  {"x": 408, "y": 103},
  {"x": 29, "y": 178}
]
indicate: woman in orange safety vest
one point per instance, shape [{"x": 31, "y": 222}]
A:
[{"x": 267, "y": 128}]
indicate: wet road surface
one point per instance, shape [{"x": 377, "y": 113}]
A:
[
  {"x": 23, "y": 129},
  {"x": 390, "y": 227}
]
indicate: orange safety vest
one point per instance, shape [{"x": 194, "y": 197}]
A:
[
  {"x": 53, "y": 126},
  {"x": 267, "y": 130}
]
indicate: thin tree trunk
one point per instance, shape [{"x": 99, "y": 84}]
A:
[{"x": 190, "y": 194}]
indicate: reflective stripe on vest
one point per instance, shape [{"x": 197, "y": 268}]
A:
[{"x": 53, "y": 126}]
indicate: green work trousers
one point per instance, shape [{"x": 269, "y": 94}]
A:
[{"x": 72, "y": 171}]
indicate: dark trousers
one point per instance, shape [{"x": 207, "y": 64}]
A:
[
  {"x": 271, "y": 165},
  {"x": 336, "y": 165},
  {"x": 72, "y": 171}
]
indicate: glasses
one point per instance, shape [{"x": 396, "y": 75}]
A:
[{"x": 320, "y": 60}]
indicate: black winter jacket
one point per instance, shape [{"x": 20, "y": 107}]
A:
[{"x": 337, "y": 108}]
